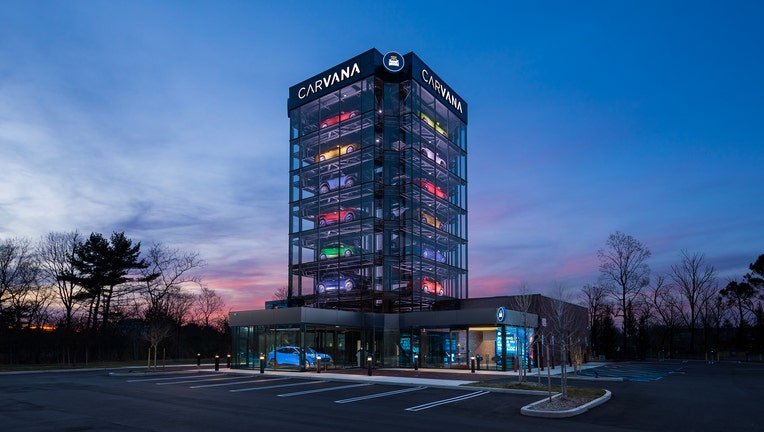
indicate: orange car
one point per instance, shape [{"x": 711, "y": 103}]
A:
[
  {"x": 429, "y": 285},
  {"x": 431, "y": 220}
]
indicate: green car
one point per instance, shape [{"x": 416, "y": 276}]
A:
[
  {"x": 335, "y": 250},
  {"x": 433, "y": 124}
]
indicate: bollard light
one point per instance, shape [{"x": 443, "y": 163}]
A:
[
  {"x": 217, "y": 362},
  {"x": 198, "y": 359},
  {"x": 262, "y": 363},
  {"x": 318, "y": 364},
  {"x": 228, "y": 361},
  {"x": 368, "y": 364},
  {"x": 472, "y": 362},
  {"x": 416, "y": 361}
]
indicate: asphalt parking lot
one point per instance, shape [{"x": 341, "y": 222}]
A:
[{"x": 689, "y": 396}]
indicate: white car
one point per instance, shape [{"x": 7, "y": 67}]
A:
[{"x": 429, "y": 154}]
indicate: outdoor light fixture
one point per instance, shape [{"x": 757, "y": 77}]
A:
[
  {"x": 318, "y": 364},
  {"x": 262, "y": 363},
  {"x": 416, "y": 361},
  {"x": 368, "y": 364},
  {"x": 472, "y": 361}
]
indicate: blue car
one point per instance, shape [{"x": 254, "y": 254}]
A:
[
  {"x": 433, "y": 254},
  {"x": 429, "y": 253},
  {"x": 335, "y": 183},
  {"x": 338, "y": 281},
  {"x": 290, "y": 355}
]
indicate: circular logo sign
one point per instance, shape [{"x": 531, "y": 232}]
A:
[
  {"x": 393, "y": 61},
  {"x": 501, "y": 312}
]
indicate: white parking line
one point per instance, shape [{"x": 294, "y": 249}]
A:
[
  {"x": 447, "y": 401},
  {"x": 167, "y": 379},
  {"x": 274, "y": 386},
  {"x": 323, "y": 390},
  {"x": 378, "y": 395},
  {"x": 238, "y": 382},
  {"x": 198, "y": 380}
]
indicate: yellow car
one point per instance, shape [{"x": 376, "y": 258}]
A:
[
  {"x": 334, "y": 152},
  {"x": 433, "y": 124},
  {"x": 431, "y": 220}
]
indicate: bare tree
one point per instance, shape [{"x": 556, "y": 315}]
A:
[
  {"x": 280, "y": 293},
  {"x": 595, "y": 299},
  {"x": 668, "y": 308},
  {"x": 523, "y": 303},
  {"x": 624, "y": 272},
  {"x": 179, "y": 307},
  {"x": 563, "y": 322},
  {"x": 157, "y": 331},
  {"x": 18, "y": 276},
  {"x": 54, "y": 252},
  {"x": 167, "y": 271},
  {"x": 208, "y": 304},
  {"x": 695, "y": 281}
]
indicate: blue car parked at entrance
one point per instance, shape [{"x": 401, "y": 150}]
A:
[{"x": 290, "y": 355}]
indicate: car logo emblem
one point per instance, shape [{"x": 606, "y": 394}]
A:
[{"x": 393, "y": 61}]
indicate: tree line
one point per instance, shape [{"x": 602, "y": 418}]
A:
[
  {"x": 684, "y": 312},
  {"x": 68, "y": 299}
]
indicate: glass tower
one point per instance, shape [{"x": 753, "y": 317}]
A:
[{"x": 378, "y": 188}]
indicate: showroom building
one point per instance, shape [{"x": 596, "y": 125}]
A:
[{"x": 378, "y": 231}]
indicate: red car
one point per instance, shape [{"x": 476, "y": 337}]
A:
[
  {"x": 431, "y": 188},
  {"x": 430, "y": 286},
  {"x": 336, "y": 119},
  {"x": 330, "y": 218}
]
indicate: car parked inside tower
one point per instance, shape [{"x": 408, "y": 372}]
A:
[
  {"x": 431, "y": 220},
  {"x": 331, "y": 153},
  {"x": 433, "y": 124},
  {"x": 331, "y": 121},
  {"x": 435, "y": 190},
  {"x": 341, "y": 215},
  {"x": 339, "y": 281},
  {"x": 334, "y": 250},
  {"x": 435, "y": 157},
  {"x": 334, "y": 183},
  {"x": 428, "y": 285}
]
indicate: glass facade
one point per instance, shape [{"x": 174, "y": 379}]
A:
[
  {"x": 299, "y": 346},
  {"x": 378, "y": 198}
]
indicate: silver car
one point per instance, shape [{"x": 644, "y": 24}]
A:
[{"x": 429, "y": 154}]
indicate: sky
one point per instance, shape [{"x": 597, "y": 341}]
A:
[{"x": 167, "y": 120}]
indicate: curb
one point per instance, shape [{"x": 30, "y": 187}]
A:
[{"x": 529, "y": 411}]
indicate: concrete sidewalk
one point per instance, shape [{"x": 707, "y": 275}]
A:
[{"x": 426, "y": 377}]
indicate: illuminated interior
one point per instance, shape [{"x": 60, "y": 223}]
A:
[{"x": 377, "y": 198}]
